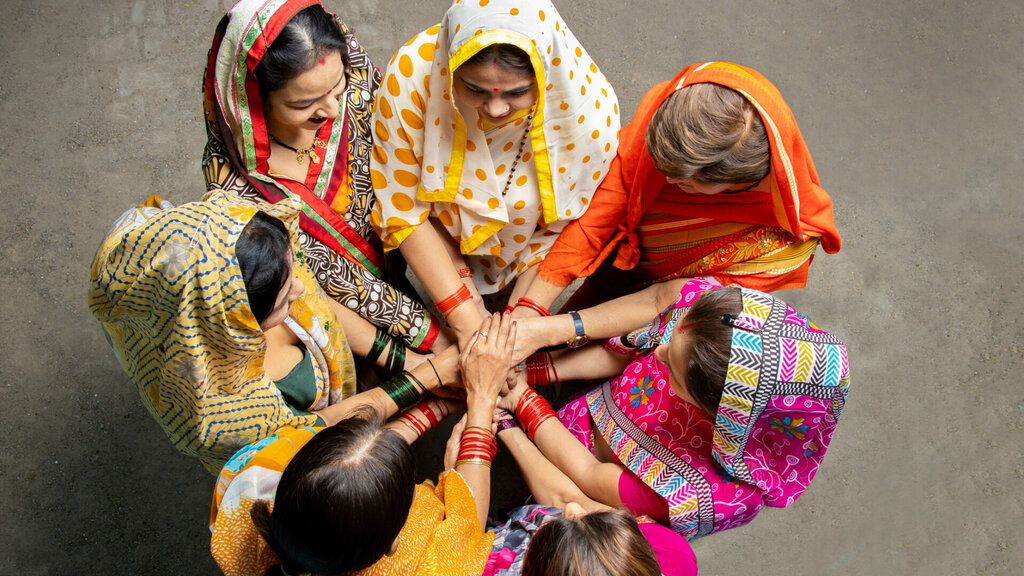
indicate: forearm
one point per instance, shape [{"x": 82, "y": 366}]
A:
[
  {"x": 598, "y": 480},
  {"x": 428, "y": 254},
  {"x": 443, "y": 369},
  {"x": 546, "y": 482},
  {"x": 477, "y": 475},
  {"x": 361, "y": 334},
  {"x": 612, "y": 318},
  {"x": 590, "y": 363}
]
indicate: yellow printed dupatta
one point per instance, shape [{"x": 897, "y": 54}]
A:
[{"x": 169, "y": 292}]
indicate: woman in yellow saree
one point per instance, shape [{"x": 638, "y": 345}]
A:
[{"x": 180, "y": 312}]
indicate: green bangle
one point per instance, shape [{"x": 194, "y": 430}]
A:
[{"x": 402, "y": 390}]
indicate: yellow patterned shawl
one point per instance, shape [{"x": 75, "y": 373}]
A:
[{"x": 168, "y": 290}]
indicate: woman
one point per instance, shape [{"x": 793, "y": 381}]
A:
[
  {"x": 287, "y": 95},
  {"x": 224, "y": 332},
  {"x": 346, "y": 503},
  {"x": 493, "y": 130},
  {"x": 728, "y": 402},
  {"x": 712, "y": 178}
]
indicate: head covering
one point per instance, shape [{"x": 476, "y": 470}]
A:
[
  {"x": 786, "y": 385},
  {"x": 442, "y": 532},
  {"x": 337, "y": 200},
  {"x": 167, "y": 287},
  {"x": 575, "y": 121},
  {"x": 798, "y": 203}
]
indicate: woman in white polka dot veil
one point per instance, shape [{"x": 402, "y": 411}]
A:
[{"x": 494, "y": 128}]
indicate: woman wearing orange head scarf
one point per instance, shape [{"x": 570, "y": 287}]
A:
[{"x": 712, "y": 178}]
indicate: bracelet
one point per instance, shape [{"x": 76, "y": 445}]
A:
[
  {"x": 408, "y": 418},
  {"x": 534, "y": 306},
  {"x": 537, "y": 366},
  {"x": 532, "y": 410},
  {"x": 403, "y": 390},
  {"x": 506, "y": 421},
  {"x": 451, "y": 302},
  {"x": 439, "y": 381},
  {"x": 480, "y": 461},
  {"x": 509, "y": 308},
  {"x": 396, "y": 354},
  {"x": 477, "y": 442},
  {"x": 466, "y": 272}
]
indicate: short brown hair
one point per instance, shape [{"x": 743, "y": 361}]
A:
[
  {"x": 709, "y": 133},
  {"x": 599, "y": 544},
  {"x": 710, "y": 342}
]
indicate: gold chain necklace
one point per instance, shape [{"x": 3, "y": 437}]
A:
[{"x": 519, "y": 154}]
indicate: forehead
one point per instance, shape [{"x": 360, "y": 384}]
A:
[
  {"x": 492, "y": 75},
  {"x": 316, "y": 82}
]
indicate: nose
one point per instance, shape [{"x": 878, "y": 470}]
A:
[
  {"x": 330, "y": 107},
  {"x": 298, "y": 287},
  {"x": 495, "y": 107}
]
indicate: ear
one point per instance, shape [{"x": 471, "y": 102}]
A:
[{"x": 394, "y": 546}]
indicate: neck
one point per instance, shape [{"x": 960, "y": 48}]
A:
[{"x": 297, "y": 137}]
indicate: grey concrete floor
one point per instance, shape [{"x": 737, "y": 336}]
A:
[{"x": 911, "y": 111}]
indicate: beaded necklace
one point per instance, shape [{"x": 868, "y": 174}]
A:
[{"x": 519, "y": 154}]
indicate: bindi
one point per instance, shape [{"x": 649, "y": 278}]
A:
[{"x": 323, "y": 60}]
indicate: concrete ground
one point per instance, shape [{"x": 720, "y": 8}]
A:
[{"x": 912, "y": 113}]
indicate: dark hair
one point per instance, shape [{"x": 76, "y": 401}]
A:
[
  {"x": 709, "y": 345},
  {"x": 310, "y": 34},
  {"x": 263, "y": 253},
  {"x": 341, "y": 501},
  {"x": 508, "y": 57},
  {"x": 599, "y": 544},
  {"x": 710, "y": 133}
]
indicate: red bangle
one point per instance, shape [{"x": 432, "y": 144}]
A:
[
  {"x": 446, "y": 305},
  {"x": 466, "y": 272},
  {"x": 509, "y": 308},
  {"x": 532, "y": 410},
  {"x": 534, "y": 306},
  {"x": 477, "y": 444},
  {"x": 413, "y": 421},
  {"x": 537, "y": 369}
]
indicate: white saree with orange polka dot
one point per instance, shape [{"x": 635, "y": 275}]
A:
[{"x": 433, "y": 160}]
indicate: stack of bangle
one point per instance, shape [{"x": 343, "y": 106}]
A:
[
  {"x": 446, "y": 305},
  {"x": 477, "y": 446},
  {"x": 537, "y": 373},
  {"x": 465, "y": 272},
  {"x": 396, "y": 354},
  {"x": 532, "y": 411},
  {"x": 411, "y": 416},
  {"x": 533, "y": 306},
  {"x": 404, "y": 389}
]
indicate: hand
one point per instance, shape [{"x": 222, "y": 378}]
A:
[
  {"x": 485, "y": 360},
  {"x": 529, "y": 337},
  {"x": 509, "y": 401}
]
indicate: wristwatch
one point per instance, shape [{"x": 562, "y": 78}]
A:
[{"x": 580, "y": 339}]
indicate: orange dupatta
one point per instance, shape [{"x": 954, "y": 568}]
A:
[{"x": 799, "y": 204}]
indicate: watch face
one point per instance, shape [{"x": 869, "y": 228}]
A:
[{"x": 578, "y": 341}]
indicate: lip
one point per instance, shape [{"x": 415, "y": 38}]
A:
[
  {"x": 317, "y": 121},
  {"x": 497, "y": 120}
]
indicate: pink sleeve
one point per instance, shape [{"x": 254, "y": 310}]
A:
[
  {"x": 641, "y": 499},
  {"x": 675, "y": 557}
]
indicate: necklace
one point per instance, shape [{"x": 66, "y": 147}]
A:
[
  {"x": 311, "y": 151},
  {"x": 519, "y": 154}
]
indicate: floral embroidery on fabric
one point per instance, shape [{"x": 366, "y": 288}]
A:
[
  {"x": 792, "y": 427},
  {"x": 641, "y": 392}
]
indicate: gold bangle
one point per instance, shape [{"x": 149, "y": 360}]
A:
[
  {"x": 481, "y": 428},
  {"x": 475, "y": 460}
]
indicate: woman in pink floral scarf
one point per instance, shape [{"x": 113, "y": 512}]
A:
[{"x": 728, "y": 401}]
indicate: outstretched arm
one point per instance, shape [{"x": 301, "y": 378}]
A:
[
  {"x": 613, "y": 318},
  {"x": 547, "y": 483},
  {"x": 598, "y": 480}
]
